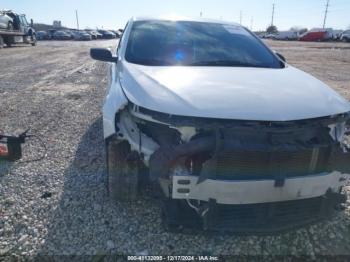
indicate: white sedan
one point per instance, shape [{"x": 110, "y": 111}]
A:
[
  {"x": 6, "y": 22},
  {"x": 235, "y": 138}
]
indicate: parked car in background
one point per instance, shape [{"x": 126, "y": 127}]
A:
[
  {"x": 329, "y": 34},
  {"x": 6, "y": 22},
  {"x": 117, "y": 33},
  {"x": 71, "y": 33},
  {"x": 107, "y": 34},
  {"x": 51, "y": 32},
  {"x": 82, "y": 36},
  {"x": 345, "y": 36},
  {"x": 314, "y": 35},
  {"x": 61, "y": 35},
  {"x": 269, "y": 36},
  {"x": 286, "y": 35},
  {"x": 337, "y": 34},
  {"x": 94, "y": 34},
  {"x": 42, "y": 35}
]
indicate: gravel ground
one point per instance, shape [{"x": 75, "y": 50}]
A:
[{"x": 59, "y": 205}]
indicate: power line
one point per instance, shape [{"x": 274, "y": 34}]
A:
[
  {"x": 76, "y": 16},
  {"x": 325, "y": 14}
]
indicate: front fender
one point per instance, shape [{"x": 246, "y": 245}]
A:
[{"x": 114, "y": 102}]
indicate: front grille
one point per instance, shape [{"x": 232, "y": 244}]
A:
[
  {"x": 262, "y": 218},
  {"x": 269, "y": 216},
  {"x": 257, "y": 164}
]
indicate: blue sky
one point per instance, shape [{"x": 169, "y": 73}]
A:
[{"x": 114, "y": 14}]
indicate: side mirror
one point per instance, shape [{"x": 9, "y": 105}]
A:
[
  {"x": 281, "y": 57},
  {"x": 31, "y": 23},
  {"x": 103, "y": 54}
]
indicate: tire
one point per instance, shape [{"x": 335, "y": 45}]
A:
[
  {"x": 1, "y": 42},
  {"x": 122, "y": 171},
  {"x": 10, "y": 26},
  {"x": 33, "y": 39},
  {"x": 7, "y": 41}
]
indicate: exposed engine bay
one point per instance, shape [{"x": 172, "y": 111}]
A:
[{"x": 213, "y": 164}]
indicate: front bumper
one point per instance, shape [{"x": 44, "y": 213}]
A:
[
  {"x": 265, "y": 218},
  {"x": 237, "y": 192},
  {"x": 253, "y": 207}
]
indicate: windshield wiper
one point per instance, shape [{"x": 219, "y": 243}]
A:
[{"x": 224, "y": 63}]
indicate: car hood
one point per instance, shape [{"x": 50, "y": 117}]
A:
[{"x": 261, "y": 94}]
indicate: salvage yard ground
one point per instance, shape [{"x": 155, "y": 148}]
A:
[{"x": 59, "y": 205}]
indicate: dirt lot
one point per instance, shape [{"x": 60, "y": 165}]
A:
[
  {"x": 59, "y": 205},
  {"x": 329, "y": 62}
]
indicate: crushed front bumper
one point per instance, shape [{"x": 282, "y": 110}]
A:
[
  {"x": 234, "y": 192},
  {"x": 253, "y": 206},
  {"x": 263, "y": 218}
]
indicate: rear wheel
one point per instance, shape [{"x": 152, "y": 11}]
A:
[
  {"x": 122, "y": 170},
  {"x": 8, "y": 41}
]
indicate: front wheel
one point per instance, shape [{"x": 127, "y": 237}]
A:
[
  {"x": 33, "y": 39},
  {"x": 122, "y": 171}
]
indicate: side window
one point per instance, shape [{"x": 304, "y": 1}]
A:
[{"x": 23, "y": 21}]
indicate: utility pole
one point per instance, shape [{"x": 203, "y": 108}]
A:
[
  {"x": 240, "y": 17},
  {"x": 201, "y": 14},
  {"x": 273, "y": 13},
  {"x": 251, "y": 23},
  {"x": 325, "y": 14},
  {"x": 76, "y": 16}
]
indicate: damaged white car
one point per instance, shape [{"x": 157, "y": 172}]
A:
[{"x": 236, "y": 138}]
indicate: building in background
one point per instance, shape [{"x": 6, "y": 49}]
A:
[{"x": 57, "y": 24}]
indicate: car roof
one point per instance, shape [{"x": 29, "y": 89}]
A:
[{"x": 180, "y": 18}]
